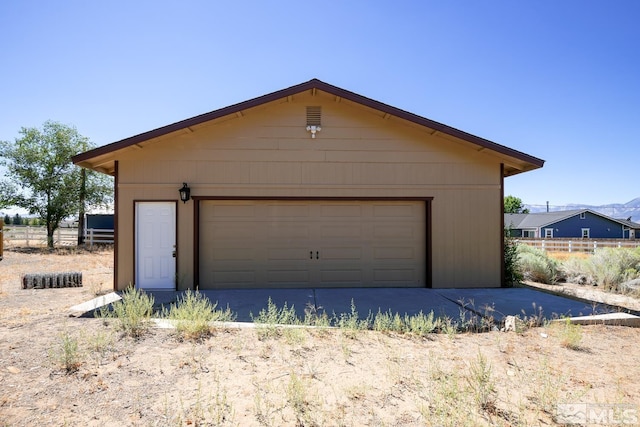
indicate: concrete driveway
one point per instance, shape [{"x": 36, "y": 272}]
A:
[{"x": 453, "y": 303}]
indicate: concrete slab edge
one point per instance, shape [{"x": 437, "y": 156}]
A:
[
  {"x": 171, "y": 324},
  {"x": 614, "y": 319},
  {"x": 95, "y": 303},
  {"x": 615, "y": 308}
]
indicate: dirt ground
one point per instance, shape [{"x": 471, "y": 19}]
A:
[{"x": 303, "y": 377}]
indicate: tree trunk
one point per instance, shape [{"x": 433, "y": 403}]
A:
[
  {"x": 83, "y": 196},
  {"x": 51, "y": 227},
  {"x": 50, "y": 231}
]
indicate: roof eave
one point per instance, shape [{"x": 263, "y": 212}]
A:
[{"x": 525, "y": 161}]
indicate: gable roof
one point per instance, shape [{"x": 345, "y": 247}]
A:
[
  {"x": 543, "y": 219},
  {"x": 102, "y": 158}
]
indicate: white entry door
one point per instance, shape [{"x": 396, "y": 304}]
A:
[{"x": 155, "y": 245}]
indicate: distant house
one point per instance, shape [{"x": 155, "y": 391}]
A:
[{"x": 575, "y": 224}]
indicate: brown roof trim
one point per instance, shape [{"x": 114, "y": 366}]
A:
[{"x": 311, "y": 84}]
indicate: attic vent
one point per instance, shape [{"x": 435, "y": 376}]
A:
[{"x": 314, "y": 118}]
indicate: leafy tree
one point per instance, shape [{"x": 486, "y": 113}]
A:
[
  {"x": 17, "y": 220},
  {"x": 35, "y": 222},
  {"x": 514, "y": 204},
  {"x": 7, "y": 219},
  {"x": 41, "y": 178}
]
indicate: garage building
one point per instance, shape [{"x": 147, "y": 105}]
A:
[{"x": 309, "y": 186}]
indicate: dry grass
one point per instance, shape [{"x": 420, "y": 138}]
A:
[{"x": 564, "y": 256}]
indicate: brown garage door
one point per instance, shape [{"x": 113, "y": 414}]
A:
[{"x": 272, "y": 243}]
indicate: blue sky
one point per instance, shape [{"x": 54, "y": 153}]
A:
[{"x": 559, "y": 80}]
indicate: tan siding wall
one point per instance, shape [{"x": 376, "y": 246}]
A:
[{"x": 358, "y": 153}]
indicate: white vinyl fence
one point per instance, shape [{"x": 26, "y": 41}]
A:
[
  {"x": 94, "y": 236},
  {"x": 24, "y": 235},
  {"x": 579, "y": 245}
]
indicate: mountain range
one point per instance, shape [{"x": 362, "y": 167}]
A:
[{"x": 627, "y": 210}]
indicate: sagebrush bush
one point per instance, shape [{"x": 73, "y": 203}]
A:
[
  {"x": 352, "y": 321},
  {"x": 611, "y": 267},
  {"x": 536, "y": 266},
  {"x": 570, "y": 335},
  {"x": 192, "y": 314},
  {"x": 273, "y": 315},
  {"x": 418, "y": 324},
  {"x": 66, "y": 352},
  {"x": 271, "y": 319},
  {"x": 132, "y": 313},
  {"x": 577, "y": 270}
]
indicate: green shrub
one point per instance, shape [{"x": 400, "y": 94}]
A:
[
  {"x": 536, "y": 266},
  {"x": 192, "y": 314},
  {"x": 132, "y": 313},
  {"x": 512, "y": 274}
]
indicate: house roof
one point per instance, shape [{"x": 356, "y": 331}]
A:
[
  {"x": 629, "y": 224},
  {"x": 103, "y": 158},
  {"x": 543, "y": 219}
]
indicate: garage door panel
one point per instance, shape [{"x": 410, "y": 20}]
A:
[
  {"x": 394, "y": 275},
  {"x": 341, "y": 232},
  {"x": 299, "y": 276},
  {"x": 394, "y": 211},
  {"x": 283, "y": 230},
  {"x": 234, "y": 232},
  {"x": 341, "y": 254},
  {"x": 287, "y": 211},
  {"x": 232, "y": 278},
  {"x": 233, "y": 211},
  {"x": 393, "y": 231},
  {"x": 246, "y": 244},
  {"x": 288, "y": 254},
  {"x": 341, "y": 277},
  {"x": 394, "y": 253},
  {"x": 233, "y": 254},
  {"x": 341, "y": 211}
]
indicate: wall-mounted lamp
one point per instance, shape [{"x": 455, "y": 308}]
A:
[
  {"x": 313, "y": 129},
  {"x": 185, "y": 193}
]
